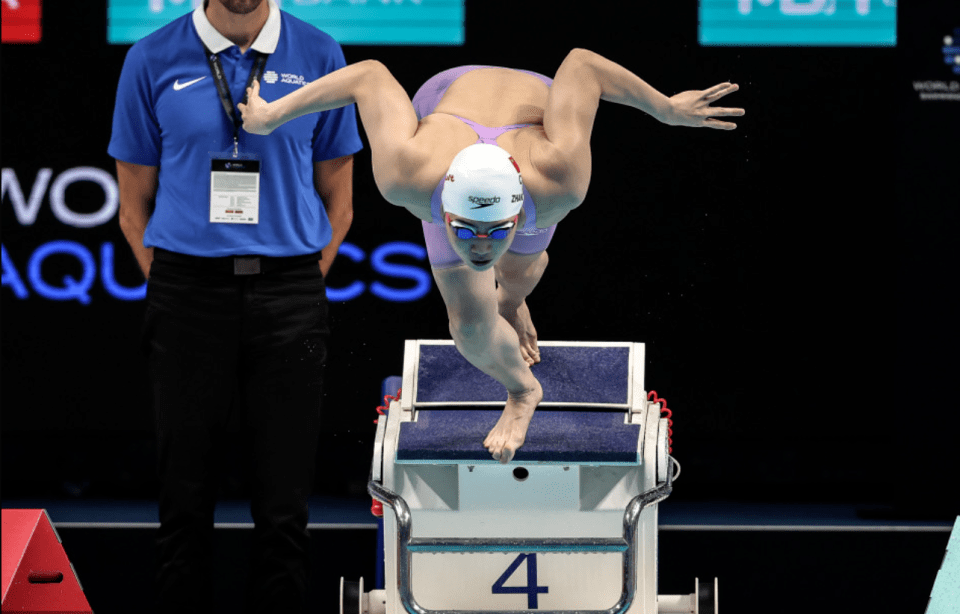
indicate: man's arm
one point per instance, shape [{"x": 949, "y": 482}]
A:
[
  {"x": 334, "y": 182},
  {"x": 138, "y": 188}
]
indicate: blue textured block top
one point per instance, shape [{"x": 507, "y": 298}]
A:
[{"x": 568, "y": 374}]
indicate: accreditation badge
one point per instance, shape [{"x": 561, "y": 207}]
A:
[{"x": 235, "y": 190}]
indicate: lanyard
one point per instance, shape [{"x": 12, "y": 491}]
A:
[{"x": 224, "y": 90}]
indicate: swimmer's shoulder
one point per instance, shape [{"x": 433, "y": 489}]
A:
[
  {"x": 548, "y": 174},
  {"x": 421, "y": 164}
]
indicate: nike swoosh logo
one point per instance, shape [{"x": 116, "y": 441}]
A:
[{"x": 177, "y": 86}]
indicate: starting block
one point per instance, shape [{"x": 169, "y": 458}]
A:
[{"x": 569, "y": 525}]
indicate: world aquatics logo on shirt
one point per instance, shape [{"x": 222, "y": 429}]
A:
[{"x": 271, "y": 76}]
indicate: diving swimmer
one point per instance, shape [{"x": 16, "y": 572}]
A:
[{"x": 490, "y": 159}]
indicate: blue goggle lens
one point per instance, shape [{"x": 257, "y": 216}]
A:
[{"x": 466, "y": 234}]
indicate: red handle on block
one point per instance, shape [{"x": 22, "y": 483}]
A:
[{"x": 45, "y": 577}]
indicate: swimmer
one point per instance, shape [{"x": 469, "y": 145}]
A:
[{"x": 490, "y": 159}]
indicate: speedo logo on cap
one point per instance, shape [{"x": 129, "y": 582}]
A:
[{"x": 481, "y": 202}]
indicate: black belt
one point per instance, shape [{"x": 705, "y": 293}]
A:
[{"x": 234, "y": 265}]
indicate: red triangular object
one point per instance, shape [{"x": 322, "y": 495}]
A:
[{"x": 36, "y": 574}]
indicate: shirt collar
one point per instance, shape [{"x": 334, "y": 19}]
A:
[{"x": 266, "y": 41}]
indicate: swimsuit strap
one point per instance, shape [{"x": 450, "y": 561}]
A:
[{"x": 488, "y": 134}]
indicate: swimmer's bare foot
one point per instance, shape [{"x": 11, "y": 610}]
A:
[
  {"x": 511, "y": 429},
  {"x": 519, "y": 318}
]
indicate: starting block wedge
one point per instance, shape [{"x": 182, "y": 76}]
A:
[{"x": 569, "y": 525}]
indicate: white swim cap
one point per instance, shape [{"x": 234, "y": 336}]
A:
[{"x": 483, "y": 184}]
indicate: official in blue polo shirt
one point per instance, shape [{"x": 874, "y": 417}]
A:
[{"x": 235, "y": 233}]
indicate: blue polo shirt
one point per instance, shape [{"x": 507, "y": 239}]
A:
[{"x": 169, "y": 114}]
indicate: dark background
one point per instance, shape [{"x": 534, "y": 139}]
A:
[{"x": 791, "y": 279}]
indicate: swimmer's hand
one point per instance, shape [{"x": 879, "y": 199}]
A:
[
  {"x": 256, "y": 113},
  {"x": 693, "y": 108}
]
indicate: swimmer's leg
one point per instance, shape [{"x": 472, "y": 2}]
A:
[
  {"x": 517, "y": 276},
  {"x": 491, "y": 344}
]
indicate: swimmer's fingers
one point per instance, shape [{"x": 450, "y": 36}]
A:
[
  {"x": 719, "y": 91},
  {"x": 719, "y": 125},
  {"x": 709, "y": 122},
  {"x": 529, "y": 354},
  {"x": 726, "y": 112},
  {"x": 254, "y": 112},
  {"x": 252, "y": 92},
  {"x": 692, "y": 108},
  {"x": 253, "y": 95}
]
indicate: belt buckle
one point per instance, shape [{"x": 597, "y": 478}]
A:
[{"x": 246, "y": 265}]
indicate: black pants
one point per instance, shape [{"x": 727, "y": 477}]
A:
[{"x": 255, "y": 344}]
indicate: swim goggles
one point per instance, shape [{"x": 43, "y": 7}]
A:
[{"x": 466, "y": 233}]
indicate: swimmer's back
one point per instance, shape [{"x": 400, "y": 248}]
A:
[
  {"x": 491, "y": 96},
  {"x": 495, "y": 96}
]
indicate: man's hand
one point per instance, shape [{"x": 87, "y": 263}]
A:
[
  {"x": 693, "y": 108},
  {"x": 256, "y": 112}
]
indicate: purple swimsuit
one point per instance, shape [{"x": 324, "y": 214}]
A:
[{"x": 529, "y": 239}]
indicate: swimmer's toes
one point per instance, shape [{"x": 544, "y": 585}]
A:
[{"x": 494, "y": 442}]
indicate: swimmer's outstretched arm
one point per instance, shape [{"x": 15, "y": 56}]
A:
[
  {"x": 582, "y": 81},
  {"x": 388, "y": 117}
]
